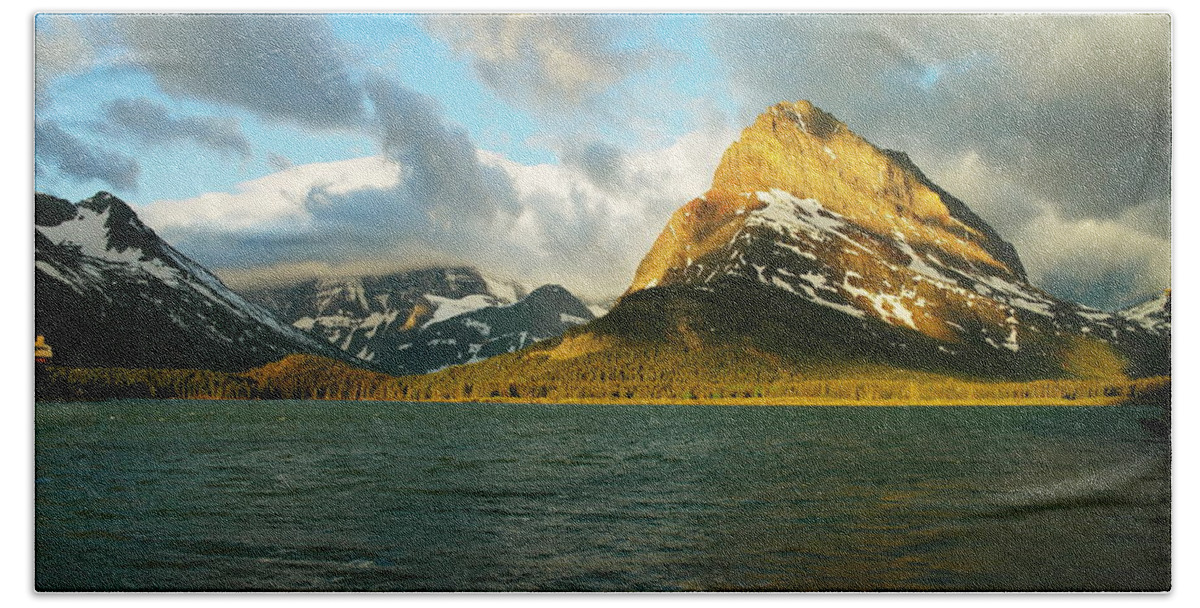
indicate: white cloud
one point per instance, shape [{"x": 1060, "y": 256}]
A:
[
  {"x": 60, "y": 47},
  {"x": 276, "y": 202},
  {"x": 356, "y": 216},
  {"x": 590, "y": 237},
  {"x": 552, "y": 61}
]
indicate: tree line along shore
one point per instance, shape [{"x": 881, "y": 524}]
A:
[{"x": 315, "y": 378}]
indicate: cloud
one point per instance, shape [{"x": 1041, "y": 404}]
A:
[
  {"x": 279, "y": 162},
  {"x": 276, "y": 203},
  {"x": 61, "y": 46},
  {"x": 371, "y": 215},
  {"x": 322, "y": 215},
  {"x": 283, "y": 67},
  {"x": 291, "y": 68},
  {"x": 577, "y": 233},
  {"x": 1078, "y": 106},
  {"x": 1103, "y": 263},
  {"x": 447, "y": 178},
  {"x": 150, "y": 123},
  {"x": 1067, "y": 114},
  {"x": 603, "y": 164},
  {"x": 80, "y": 160},
  {"x": 548, "y": 61}
]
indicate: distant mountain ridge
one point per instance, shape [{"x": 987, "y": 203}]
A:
[
  {"x": 423, "y": 320},
  {"x": 110, "y": 293},
  {"x": 350, "y": 312}
]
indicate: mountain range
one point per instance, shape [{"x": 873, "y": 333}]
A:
[
  {"x": 813, "y": 254},
  {"x": 110, "y": 293},
  {"x": 817, "y": 253}
]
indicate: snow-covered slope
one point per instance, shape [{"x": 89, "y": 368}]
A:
[
  {"x": 109, "y": 292},
  {"x": 485, "y": 332},
  {"x": 425, "y": 319},
  {"x": 1153, "y": 314}
]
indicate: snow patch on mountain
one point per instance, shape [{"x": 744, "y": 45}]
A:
[
  {"x": 569, "y": 319},
  {"x": 1153, "y": 315},
  {"x": 447, "y": 308}
]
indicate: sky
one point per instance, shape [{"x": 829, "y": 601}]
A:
[{"x": 553, "y": 148}]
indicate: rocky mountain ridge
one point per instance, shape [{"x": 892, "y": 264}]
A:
[
  {"x": 353, "y": 313},
  {"x": 423, "y": 320},
  {"x": 110, "y": 293}
]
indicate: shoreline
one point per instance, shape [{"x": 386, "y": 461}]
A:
[{"x": 759, "y": 402}]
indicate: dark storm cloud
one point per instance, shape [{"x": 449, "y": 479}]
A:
[
  {"x": 80, "y": 160},
  {"x": 1077, "y": 106},
  {"x": 150, "y": 123},
  {"x": 285, "y": 67},
  {"x": 447, "y": 177}
]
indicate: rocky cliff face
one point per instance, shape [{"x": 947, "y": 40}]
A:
[
  {"x": 800, "y": 151},
  {"x": 808, "y": 218}
]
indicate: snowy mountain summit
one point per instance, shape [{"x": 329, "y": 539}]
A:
[
  {"x": 835, "y": 235},
  {"x": 111, "y": 293}
]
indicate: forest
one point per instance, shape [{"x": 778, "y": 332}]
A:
[{"x": 595, "y": 378}]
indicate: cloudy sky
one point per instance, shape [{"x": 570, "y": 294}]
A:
[{"x": 553, "y": 148}]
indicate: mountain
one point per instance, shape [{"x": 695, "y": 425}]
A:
[
  {"x": 110, "y": 293},
  {"x": 547, "y": 312},
  {"x": 811, "y": 227},
  {"x": 355, "y": 314},
  {"x": 1154, "y": 316},
  {"x": 816, "y": 254},
  {"x": 423, "y": 320}
]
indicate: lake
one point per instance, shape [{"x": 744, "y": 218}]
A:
[{"x": 294, "y": 495}]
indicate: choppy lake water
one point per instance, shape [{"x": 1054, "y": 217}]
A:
[{"x": 228, "y": 495}]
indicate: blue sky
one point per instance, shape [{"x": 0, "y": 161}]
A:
[
  {"x": 537, "y": 146},
  {"x": 399, "y": 47}
]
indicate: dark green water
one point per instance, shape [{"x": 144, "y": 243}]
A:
[{"x": 193, "y": 495}]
